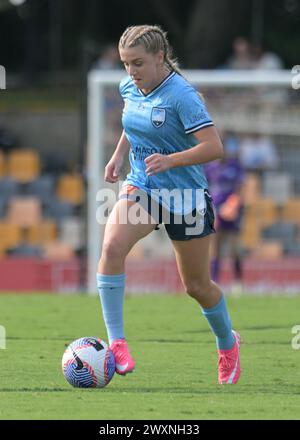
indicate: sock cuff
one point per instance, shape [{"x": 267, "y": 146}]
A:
[
  {"x": 110, "y": 280},
  {"x": 215, "y": 308}
]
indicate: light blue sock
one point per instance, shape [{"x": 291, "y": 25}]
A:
[
  {"x": 111, "y": 290},
  {"x": 219, "y": 321}
]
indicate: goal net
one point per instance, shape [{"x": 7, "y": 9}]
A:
[{"x": 262, "y": 111}]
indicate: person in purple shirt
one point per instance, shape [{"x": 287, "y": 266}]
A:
[{"x": 225, "y": 179}]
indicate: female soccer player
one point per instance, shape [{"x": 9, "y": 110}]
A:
[{"x": 168, "y": 134}]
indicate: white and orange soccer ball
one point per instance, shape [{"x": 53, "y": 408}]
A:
[{"x": 88, "y": 363}]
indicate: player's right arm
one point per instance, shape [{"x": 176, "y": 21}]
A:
[{"x": 113, "y": 168}]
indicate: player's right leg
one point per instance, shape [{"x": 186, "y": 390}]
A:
[{"x": 121, "y": 234}]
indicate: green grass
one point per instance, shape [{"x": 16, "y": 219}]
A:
[{"x": 175, "y": 355}]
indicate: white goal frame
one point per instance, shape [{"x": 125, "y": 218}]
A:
[{"x": 97, "y": 81}]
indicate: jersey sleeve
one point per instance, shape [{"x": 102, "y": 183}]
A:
[
  {"x": 192, "y": 111},
  {"x": 123, "y": 86}
]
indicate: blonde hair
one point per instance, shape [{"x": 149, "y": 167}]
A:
[{"x": 153, "y": 39}]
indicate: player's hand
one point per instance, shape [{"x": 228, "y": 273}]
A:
[
  {"x": 112, "y": 169},
  {"x": 157, "y": 163}
]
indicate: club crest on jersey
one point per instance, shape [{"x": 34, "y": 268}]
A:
[{"x": 158, "y": 116}]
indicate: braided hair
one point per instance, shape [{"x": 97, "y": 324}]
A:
[{"x": 153, "y": 39}]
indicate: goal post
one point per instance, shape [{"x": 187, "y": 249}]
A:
[{"x": 223, "y": 83}]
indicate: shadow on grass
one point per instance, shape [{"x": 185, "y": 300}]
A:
[
  {"x": 185, "y": 341},
  {"x": 41, "y": 338},
  {"x": 246, "y": 390}
]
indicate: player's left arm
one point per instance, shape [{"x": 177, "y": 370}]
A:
[{"x": 209, "y": 148}]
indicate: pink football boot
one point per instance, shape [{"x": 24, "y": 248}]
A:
[
  {"x": 229, "y": 362},
  {"x": 124, "y": 362}
]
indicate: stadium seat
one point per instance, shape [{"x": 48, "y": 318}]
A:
[
  {"x": 58, "y": 210},
  {"x": 264, "y": 211},
  {"x": 251, "y": 189},
  {"x": 291, "y": 210},
  {"x": 23, "y": 165},
  {"x": 3, "y": 169},
  {"x": 250, "y": 232},
  {"x": 24, "y": 211},
  {"x": 293, "y": 249},
  {"x": 41, "y": 233},
  {"x": 296, "y": 184},
  {"x": 70, "y": 189},
  {"x": 281, "y": 231},
  {"x": 72, "y": 232},
  {"x": 10, "y": 236},
  {"x": 277, "y": 186},
  {"x": 2, "y": 206},
  {"x": 287, "y": 233},
  {"x": 268, "y": 250},
  {"x": 25, "y": 250},
  {"x": 58, "y": 251},
  {"x": 8, "y": 188},
  {"x": 43, "y": 188}
]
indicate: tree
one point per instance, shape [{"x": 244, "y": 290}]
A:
[
  {"x": 4, "y": 4},
  {"x": 203, "y": 35}
]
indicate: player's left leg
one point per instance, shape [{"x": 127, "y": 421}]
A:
[{"x": 193, "y": 264}]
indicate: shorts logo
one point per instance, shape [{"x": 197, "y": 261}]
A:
[{"x": 158, "y": 116}]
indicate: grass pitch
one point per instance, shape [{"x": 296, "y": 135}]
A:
[{"x": 176, "y": 362}]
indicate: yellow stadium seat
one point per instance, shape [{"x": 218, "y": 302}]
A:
[
  {"x": 41, "y": 233},
  {"x": 251, "y": 189},
  {"x": 3, "y": 165},
  {"x": 267, "y": 211},
  {"x": 10, "y": 236},
  {"x": 23, "y": 165},
  {"x": 70, "y": 188},
  {"x": 250, "y": 232},
  {"x": 24, "y": 211},
  {"x": 264, "y": 210},
  {"x": 291, "y": 210}
]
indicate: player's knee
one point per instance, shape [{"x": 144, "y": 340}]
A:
[
  {"x": 112, "y": 251},
  {"x": 197, "y": 288}
]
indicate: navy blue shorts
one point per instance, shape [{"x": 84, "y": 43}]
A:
[{"x": 179, "y": 227}]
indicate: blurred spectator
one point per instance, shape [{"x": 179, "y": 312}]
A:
[
  {"x": 247, "y": 55},
  {"x": 225, "y": 179},
  {"x": 109, "y": 59},
  {"x": 258, "y": 153},
  {"x": 8, "y": 140},
  {"x": 264, "y": 60},
  {"x": 241, "y": 57}
]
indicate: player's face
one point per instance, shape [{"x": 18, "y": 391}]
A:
[{"x": 146, "y": 69}]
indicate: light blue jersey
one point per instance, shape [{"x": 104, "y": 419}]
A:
[{"x": 164, "y": 121}]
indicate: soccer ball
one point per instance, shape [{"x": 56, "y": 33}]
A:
[{"x": 88, "y": 363}]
